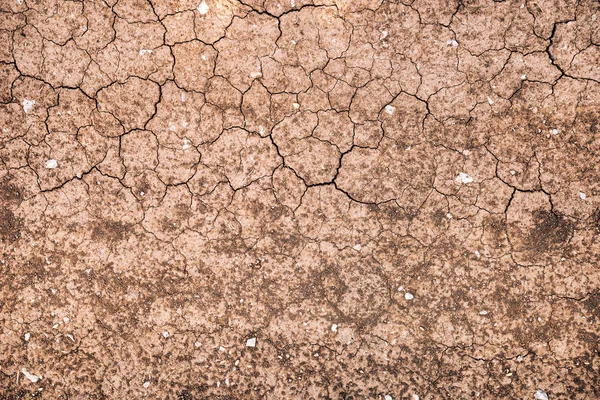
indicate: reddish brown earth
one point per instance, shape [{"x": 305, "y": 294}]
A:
[{"x": 256, "y": 199}]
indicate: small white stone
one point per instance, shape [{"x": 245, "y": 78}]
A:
[
  {"x": 523, "y": 77},
  {"x": 334, "y": 328},
  {"x": 540, "y": 395},
  {"x": 203, "y": 8},
  {"x": 390, "y": 109},
  {"x": 408, "y": 296},
  {"x": 165, "y": 334},
  {"x": 296, "y": 105},
  {"x": 483, "y": 312},
  {"x": 28, "y": 105},
  {"x": 449, "y": 216},
  {"x": 144, "y": 51},
  {"x": 477, "y": 254},
  {"x": 415, "y": 396},
  {"x": 388, "y": 397},
  {"x": 464, "y": 178},
  {"x": 357, "y": 247},
  {"x": 383, "y": 35},
  {"x": 582, "y": 195},
  {"x": 51, "y": 164},
  {"x": 146, "y": 384},
  {"x": 490, "y": 101},
  {"x": 221, "y": 348},
  {"x": 512, "y": 172},
  {"x": 453, "y": 42},
  {"x": 251, "y": 342},
  {"x": 27, "y": 336},
  {"x": 186, "y": 144},
  {"x": 31, "y": 377},
  {"x": 400, "y": 288},
  {"x": 555, "y": 131},
  {"x": 519, "y": 358}
]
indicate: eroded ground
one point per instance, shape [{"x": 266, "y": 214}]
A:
[{"x": 280, "y": 200}]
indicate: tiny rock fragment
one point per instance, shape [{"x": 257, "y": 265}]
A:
[
  {"x": 27, "y": 336},
  {"x": 31, "y": 377},
  {"x": 464, "y": 178},
  {"x": 28, "y": 105},
  {"x": 146, "y": 384},
  {"x": 51, "y": 164},
  {"x": 408, "y": 296},
  {"x": 390, "y": 109},
  {"x": 251, "y": 342},
  {"x": 582, "y": 196},
  {"x": 483, "y": 312},
  {"x": 540, "y": 395},
  {"x": 203, "y": 8},
  {"x": 415, "y": 396},
  {"x": 383, "y": 35},
  {"x": 334, "y": 328},
  {"x": 165, "y": 334},
  {"x": 388, "y": 397},
  {"x": 357, "y": 247},
  {"x": 453, "y": 42}
]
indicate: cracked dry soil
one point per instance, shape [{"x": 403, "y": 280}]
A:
[{"x": 264, "y": 199}]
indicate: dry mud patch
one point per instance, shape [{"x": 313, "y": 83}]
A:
[{"x": 312, "y": 199}]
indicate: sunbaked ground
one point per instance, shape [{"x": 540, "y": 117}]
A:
[{"x": 272, "y": 199}]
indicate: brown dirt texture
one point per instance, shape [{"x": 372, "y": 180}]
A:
[{"x": 300, "y": 199}]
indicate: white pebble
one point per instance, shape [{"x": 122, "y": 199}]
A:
[
  {"x": 31, "y": 377},
  {"x": 334, "y": 328},
  {"x": 555, "y": 131},
  {"x": 146, "y": 384},
  {"x": 453, "y": 42},
  {"x": 28, "y": 105},
  {"x": 408, "y": 296},
  {"x": 357, "y": 247},
  {"x": 540, "y": 395},
  {"x": 390, "y": 109},
  {"x": 51, "y": 164},
  {"x": 483, "y": 312},
  {"x": 464, "y": 178},
  {"x": 27, "y": 336},
  {"x": 388, "y": 397},
  {"x": 165, "y": 334},
  {"x": 415, "y": 396},
  {"x": 251, "y": 342},
  {"x": 203, "y": 8},
  {"x": 582, "y": 195}
]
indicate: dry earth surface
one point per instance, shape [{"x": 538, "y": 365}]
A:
[{"x": 269, "y": 199}]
